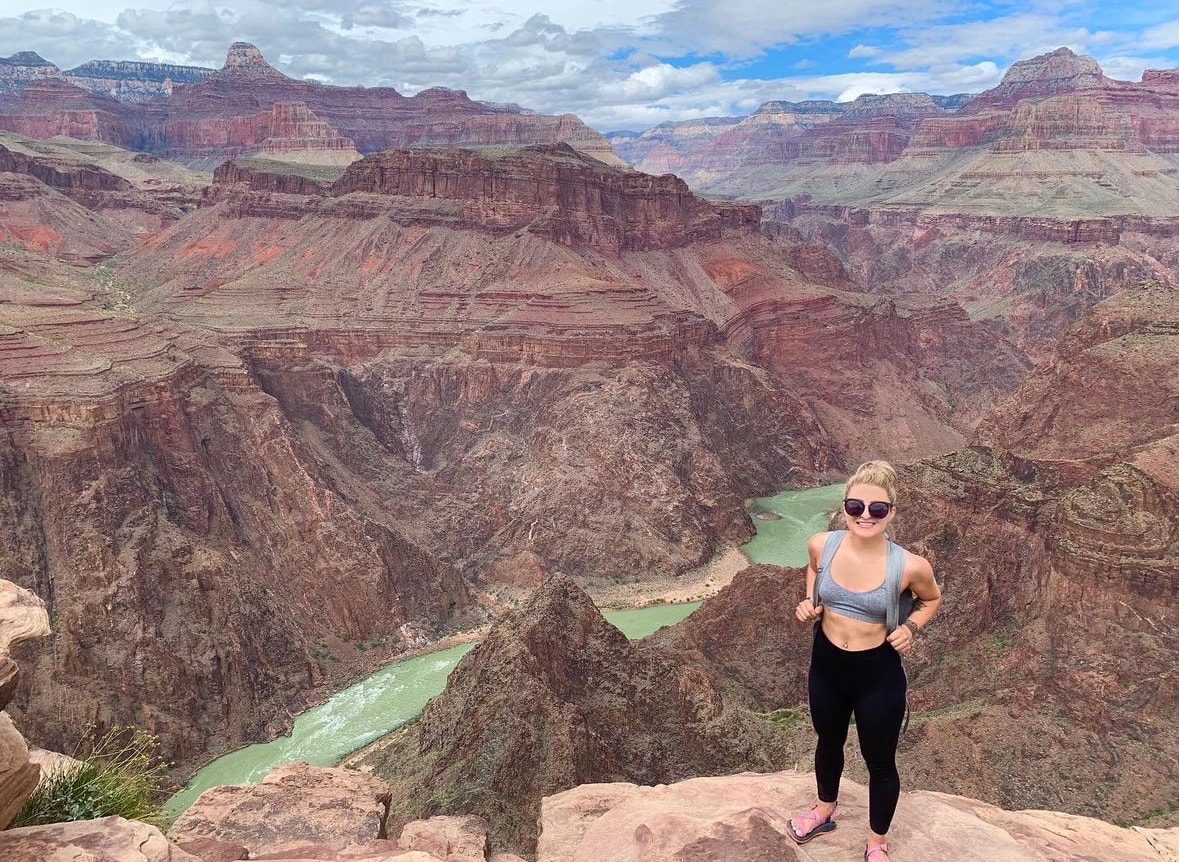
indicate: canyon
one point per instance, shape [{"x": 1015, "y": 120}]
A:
[
  {"x": 370, "y": 383},
  {"x": 1026, "y": 204},
  {"x": 248, "y": 107},
  {"x": 1047, "y": 678}
]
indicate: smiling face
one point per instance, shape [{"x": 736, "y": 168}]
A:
[{"x": 864, "y": 525}]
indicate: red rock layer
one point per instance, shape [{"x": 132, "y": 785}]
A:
[
  {"x": 285, "y": 127},
  {"x": 556, "y": 193},
  {"x": 37, "y": 217},
  {"x": 193, "y": 553},
  {"x": 50, "y": 107},
  {"x": 248, "y": 106}
]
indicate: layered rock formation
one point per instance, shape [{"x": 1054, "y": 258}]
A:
[
  {"x": 554, "y": 697},
  {"x": 137, "y": 192},
  {"x": 21, "y": 69},
  {"x": 1025, "y": 204},
  {"x": 49, "y": 107},
  {"x": 201, "y": 117},
  {"x": 133, "y": 81},
  {"x": 1059, "y": 568},
  {"x": 194, "y": 552},
  {"x": 1060, "y": 527},
  {"x": 872, "y": 129}
]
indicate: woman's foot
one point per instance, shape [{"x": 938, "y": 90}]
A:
[
  {"x": 876, "y": 852},
  {"x": 818, "y": 821}
]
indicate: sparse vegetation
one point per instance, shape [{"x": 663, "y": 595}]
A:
[
  {"x": 119, "y": 773},
  {"x": 788, "y": 716}
]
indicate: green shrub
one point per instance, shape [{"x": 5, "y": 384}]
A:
[{"x": 120, "y": 775}]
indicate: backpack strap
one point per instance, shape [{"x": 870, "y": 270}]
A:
[
  {"x": 894, "y": 572},
  {"x": 830, "y": 546}
]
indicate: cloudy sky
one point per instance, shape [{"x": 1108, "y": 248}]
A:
[{"x": 619, "y": 64}]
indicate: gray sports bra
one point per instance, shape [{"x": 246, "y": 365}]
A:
[{"x": 871, "y": 606}]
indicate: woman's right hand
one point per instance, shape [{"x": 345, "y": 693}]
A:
[{"x": 805, "y": 611}]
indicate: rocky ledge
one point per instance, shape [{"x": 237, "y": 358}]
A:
[
  {"x": 326, "y": 815},
  {"x": 551, "y": 190}
]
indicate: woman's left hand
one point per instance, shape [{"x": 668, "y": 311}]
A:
[{"x": 901, "y": 639}]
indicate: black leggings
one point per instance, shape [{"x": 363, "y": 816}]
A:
[{"x": 871, "y": 684}]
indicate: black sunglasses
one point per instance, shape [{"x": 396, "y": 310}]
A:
[{"x": 876, "y": 509}]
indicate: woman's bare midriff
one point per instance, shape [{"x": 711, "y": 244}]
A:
[{"x": 851, "y": 634}]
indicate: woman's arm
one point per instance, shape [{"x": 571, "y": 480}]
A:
[
  {"x": 806, "y": 610},
  {"x": 929, "y": 597}
]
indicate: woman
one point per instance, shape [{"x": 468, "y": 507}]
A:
[{"x": 855, "y": 660}]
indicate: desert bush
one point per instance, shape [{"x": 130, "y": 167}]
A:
[{"x": 119, "y": 773}]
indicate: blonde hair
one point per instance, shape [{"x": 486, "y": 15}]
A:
[{"x": 879, "y": 473}]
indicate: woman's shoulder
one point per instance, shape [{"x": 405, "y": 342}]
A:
[
  {"x": 818, "y": 539},
  {"x": 915, "y": 564}
]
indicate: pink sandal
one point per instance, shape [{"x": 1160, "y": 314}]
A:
[
  {"x": 811, "y": 825},
  {"x": 872, "y": 852}
]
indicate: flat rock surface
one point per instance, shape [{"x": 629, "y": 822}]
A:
[
  {"x": 743, "y": 817},
  {"x": 294, "y": 802},
  {"x": 109, "y": 839}
]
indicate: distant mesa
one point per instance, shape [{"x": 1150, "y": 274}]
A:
[
  {"x": 25, "y": 58},
  {"x": 244, "y": 60},
  {"x": 201, "y": 117},
  {"x": 1059, "y": 71}
]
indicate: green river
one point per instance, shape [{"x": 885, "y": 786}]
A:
[{"x": 355, "y": 716}]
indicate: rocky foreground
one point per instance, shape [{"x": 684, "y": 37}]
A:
[
  {"x": 324, "y": 815},
  {"x": 307, "y": 813}
]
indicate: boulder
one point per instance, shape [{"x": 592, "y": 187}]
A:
[
  {"x": 22, "y": 616},
  {"x": 454, "y": 839}
]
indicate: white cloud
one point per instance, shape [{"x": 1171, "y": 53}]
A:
[
  {"x": 616, "y": 63},
  {"x": 1162, "y": 37}
]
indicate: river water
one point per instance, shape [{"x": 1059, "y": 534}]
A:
[{"x": 355, "y": 716}]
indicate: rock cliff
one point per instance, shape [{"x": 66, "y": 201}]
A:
[
  {"x": 21, "y": 69},
  {"x": 1026, "y": 204},
  {"x": 196, "y": 556},
  {"x": 131, "y": 80},
  {"x": 203, "y": 117},
  {"x": 554, "y": 697},
  {"x": 1056, "y": 536},
  {"x": 1059, "y": 568}
]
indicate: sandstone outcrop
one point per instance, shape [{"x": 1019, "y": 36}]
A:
[
  {"x": 553, "y": 697},
  {"x": 293, "y": 803},
  {"x": 312, "y": 813},
  {"x": 744, "y": 817},
  {"x": 22, "y": 617},
  {"x": 108, "y": 839},
  {"x": 554, "y": 192}
]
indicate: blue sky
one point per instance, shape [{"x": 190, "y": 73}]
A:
[{"x": 616, "y": 63}]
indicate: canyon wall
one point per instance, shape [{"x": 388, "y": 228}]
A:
[
  {"x": 196, "y": 557},
  {"x": 202, "y": 117}
]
